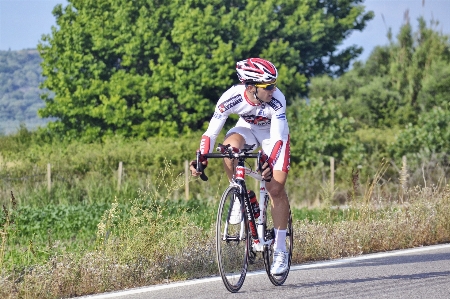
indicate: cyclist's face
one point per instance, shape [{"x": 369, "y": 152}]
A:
[{"x": 265, "y": 93}]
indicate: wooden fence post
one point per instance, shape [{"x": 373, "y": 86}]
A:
[
  {"x": 404, "y": 177},
  {"x": 186, "y": 179},
  {"x": 49, "y": 177},
  {"x": 119, "y": 175},
  {"x": 332, "y": 174}
]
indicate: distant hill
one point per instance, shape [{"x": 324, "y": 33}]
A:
[{"x": 20, "y": 76}]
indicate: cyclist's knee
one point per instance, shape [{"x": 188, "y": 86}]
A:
[
  {"x": 277, "y": 182},
  {"x": 276, "y": 190},
  {"x": 234, "y": 139}
]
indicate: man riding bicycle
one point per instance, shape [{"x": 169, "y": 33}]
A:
[{"x": 261, "y": 107}]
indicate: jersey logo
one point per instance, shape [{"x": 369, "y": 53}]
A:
[
  {"x": 281, "y": 116},
  {"x": 275, "y": 104},
  {"x": 204, "y": 144},
  {"x": 257, "y": 120},
  {"x": 230, "y": 103},
  {"x": 217, "y": 115}
]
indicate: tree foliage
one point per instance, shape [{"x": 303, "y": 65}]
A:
[
  {"x": 431, "y": 134},
  {"x": 155, "y": 68},
  {"x": 321, "y": 131},
  {"x": 397, "y": 83},
  {"x": 402, "y": 89}
]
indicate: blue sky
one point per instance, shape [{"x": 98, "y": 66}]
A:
[{"x": 22, "y": 22}]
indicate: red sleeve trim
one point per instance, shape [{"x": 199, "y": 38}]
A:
[{"x": 205, "y": 144}]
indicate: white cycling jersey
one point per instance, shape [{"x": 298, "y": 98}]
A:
[{"x": 264, "y": 121}]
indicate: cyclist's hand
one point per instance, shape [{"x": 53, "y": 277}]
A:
[
  {"x": 266, "y": 169},
  {"x": 267, "y": 172},
  {"x": 193, "y": 167}
]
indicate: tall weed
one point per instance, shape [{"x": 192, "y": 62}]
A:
[
  {"x": 145, "y": 234},
  {"x": 148, "y": 242}
]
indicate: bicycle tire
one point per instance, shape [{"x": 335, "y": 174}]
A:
[
  {"x": 276, "y": 280},
  {"x": 232, "y": 242}
]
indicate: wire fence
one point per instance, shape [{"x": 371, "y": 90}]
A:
[
  {"x": 308, "y": 186},
  {"x": 49, "y": 177}
]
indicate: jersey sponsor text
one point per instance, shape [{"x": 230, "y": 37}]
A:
[
  {"x": 275, "y": 104},
  {"x": 230, "y": 103}
]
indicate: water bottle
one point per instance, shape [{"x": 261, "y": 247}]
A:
[{"x": 254, "y": 203}]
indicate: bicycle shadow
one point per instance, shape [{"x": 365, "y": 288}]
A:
[
  {"x": 382, "y": 261},
  {"x": 379, "y": 262},
  {"x": 406, "y": 277}
]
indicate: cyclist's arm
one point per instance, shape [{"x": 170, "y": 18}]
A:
[{"x": 209, "y": 137}]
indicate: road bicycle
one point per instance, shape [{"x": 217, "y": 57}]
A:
[{"x": 237, "y": 244}]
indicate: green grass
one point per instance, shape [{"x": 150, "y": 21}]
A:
[
  {"x": 148, "y": 239},
  {"x": 85, "y": 236},
  {"x": 74, "y": 227}
]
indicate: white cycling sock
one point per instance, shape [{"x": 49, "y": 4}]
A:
[{"x": 280, "y": 240}]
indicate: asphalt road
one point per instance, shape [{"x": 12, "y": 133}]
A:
[{"x": 422, "y": 272}]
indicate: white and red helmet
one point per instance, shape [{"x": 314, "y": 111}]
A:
[{"x": 256, "y": 70}]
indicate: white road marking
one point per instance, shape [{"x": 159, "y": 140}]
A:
[{"x": 293, "y": 268}]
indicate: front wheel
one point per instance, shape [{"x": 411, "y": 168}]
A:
[
  {"x": 232, "y": 241},
  {"x": 268, "y": 249}
]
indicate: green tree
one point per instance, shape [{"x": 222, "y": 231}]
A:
[
  {"x": 398, "y": 81},
  {"x": 320, "y": 131},
  {"x": 147, "y": 68},
  {"x": 431, "y": 134},
  {"x": 435, "y": 86}
]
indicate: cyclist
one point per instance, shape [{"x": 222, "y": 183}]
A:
[{"x": 261, "y": 107}]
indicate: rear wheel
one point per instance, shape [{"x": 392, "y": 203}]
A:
[
  {"x": 232, "y": 242},
  {"x": 268, "y": 249}
]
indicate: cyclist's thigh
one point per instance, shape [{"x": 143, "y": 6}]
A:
[
  {"x": 280, "y": 150},
  {"x": 238, "y": 136},
  {"x": 284, "y": 159}
]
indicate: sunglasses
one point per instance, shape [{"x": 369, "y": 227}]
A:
[{"x": 268, "y": 86}]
